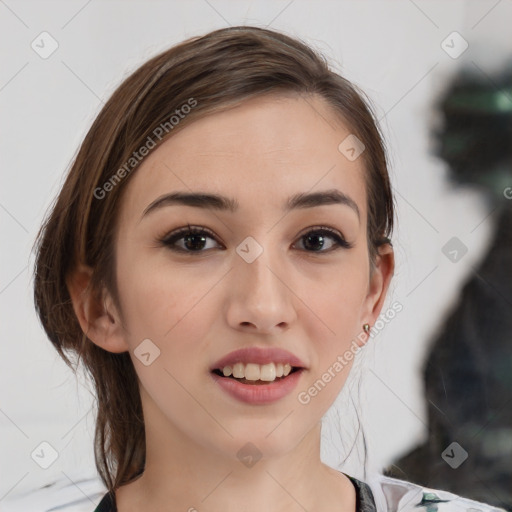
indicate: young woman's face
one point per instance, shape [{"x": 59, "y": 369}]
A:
[{"x": 261, "y": 274}]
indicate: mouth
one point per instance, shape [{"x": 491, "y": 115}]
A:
[
  {"x": 246, "y": 385},
  {"x": 257, "y": 381},
  {"x": 258, "y": 375}
]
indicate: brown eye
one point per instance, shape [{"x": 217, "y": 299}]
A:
[
  {"x": 315, "y": 240},
  {"x": 194, "y": 239}
]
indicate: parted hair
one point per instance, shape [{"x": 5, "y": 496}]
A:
[{"x": 217, "y": 70}]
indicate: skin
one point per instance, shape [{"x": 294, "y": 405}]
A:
[{"x": 198, "y": 307}]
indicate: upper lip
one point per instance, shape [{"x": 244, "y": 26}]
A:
[{"x": 257, "y": 355}]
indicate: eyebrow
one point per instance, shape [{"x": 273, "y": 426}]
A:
[{"x": 223, "y": 203}]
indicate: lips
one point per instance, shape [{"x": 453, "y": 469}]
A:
[
  {"x": 254, "y": 394},
  {"x": 258, "y": 356}
]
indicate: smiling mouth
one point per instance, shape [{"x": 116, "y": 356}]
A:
[{"x": 256, "y": 382}]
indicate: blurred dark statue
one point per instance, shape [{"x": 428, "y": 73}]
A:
[{"x": 468, "y": 372}]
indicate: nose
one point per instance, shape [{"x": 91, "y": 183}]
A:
[{"x": 260, "y": 295}]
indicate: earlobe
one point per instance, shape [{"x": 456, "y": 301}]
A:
[{"x": 101, "y": 325}]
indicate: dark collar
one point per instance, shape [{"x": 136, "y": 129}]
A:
[
  {"x": 364, "y": 498},
  {"x": 365, "y": 501}
]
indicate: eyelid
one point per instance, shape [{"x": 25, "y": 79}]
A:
[{"x": 187, "y": 229}]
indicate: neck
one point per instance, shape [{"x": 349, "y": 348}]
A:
[{"x": 179, "y": 474}]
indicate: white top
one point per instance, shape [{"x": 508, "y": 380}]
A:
[{"x": 392, "y": 495}]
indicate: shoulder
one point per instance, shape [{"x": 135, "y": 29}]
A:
[
  {"x": 63, "y": 495},
  {"x": 392, "y": 494}
]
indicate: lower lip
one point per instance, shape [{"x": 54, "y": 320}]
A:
[{"x": 259, "y": 393}]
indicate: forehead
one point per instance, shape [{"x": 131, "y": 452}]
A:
[{"x": 260, "y": 152}]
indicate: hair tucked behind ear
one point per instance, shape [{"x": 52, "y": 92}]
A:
[{"x": 217, "y": 70}]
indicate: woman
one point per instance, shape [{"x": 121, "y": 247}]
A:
[{"x": 216, "y": 257}]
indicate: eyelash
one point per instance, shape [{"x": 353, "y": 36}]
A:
[{"x": 170, "y": 239}]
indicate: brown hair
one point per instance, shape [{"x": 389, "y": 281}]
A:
[{"x": 216, "y": 71}]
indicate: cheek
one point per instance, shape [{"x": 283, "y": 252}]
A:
[
  {"x": 334, "y": 327},
  {"x": 336, "y": 293},
  {"x": 164, "y": 304}
]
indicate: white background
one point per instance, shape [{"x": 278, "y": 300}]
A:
[{"x": 392, "y": 50}]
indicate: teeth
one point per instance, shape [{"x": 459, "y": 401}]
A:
[{"x": 251, "y": 371}]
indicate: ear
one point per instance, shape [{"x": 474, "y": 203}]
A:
[
  {"x": 95, "y": 311},
  {"x": 377, "y": 288}
]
